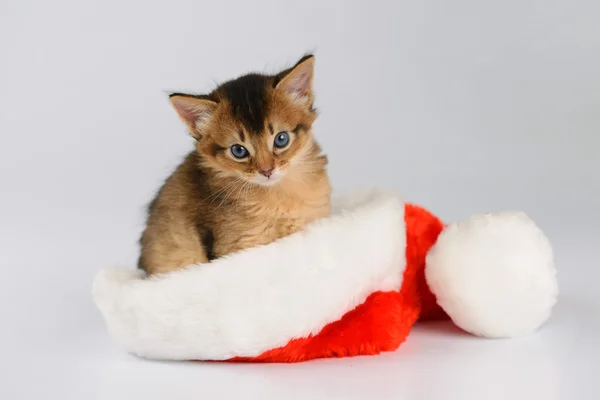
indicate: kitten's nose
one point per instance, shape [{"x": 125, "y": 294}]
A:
[{"x": 267, "y": 172}]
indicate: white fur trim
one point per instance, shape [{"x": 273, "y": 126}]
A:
[
  {"x": 494, "y": 275},
  {"x": 263, "y": 297}
]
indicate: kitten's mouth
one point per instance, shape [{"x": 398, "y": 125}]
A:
[{"x": 271, "y": 180}]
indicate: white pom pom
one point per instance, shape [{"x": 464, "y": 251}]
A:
[{"x": 494, "y": 275}]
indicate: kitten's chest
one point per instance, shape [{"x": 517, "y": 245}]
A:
[
  {"x": 264, "y": 220},
  {"x": 282, "y": 218}
]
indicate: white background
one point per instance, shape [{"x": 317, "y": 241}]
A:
[{"x": 464, "y": 106}]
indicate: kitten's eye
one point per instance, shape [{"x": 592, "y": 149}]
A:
[
  {"x": 239, "y": 151},
  {"x": 281, "y": 140}
]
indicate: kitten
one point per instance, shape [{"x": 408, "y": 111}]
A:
[{"x": 256, "y": 173}]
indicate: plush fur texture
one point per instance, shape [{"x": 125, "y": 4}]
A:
[
  {"x": 352, "y": 284},
  {"x": 385, "y": 319},
  {"x": 256, "y": 174},
  {"x": 257, "y": 300},
  {"x": 494, "y": 275}
]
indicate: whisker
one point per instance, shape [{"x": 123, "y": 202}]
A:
[
  {"x": 248, "y": 188},
  {"x": 240, "y": 194},
  {"x": 237, "y": 183},
  {"x": 224, "y": 188}
]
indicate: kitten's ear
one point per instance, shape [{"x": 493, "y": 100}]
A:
[
  {"x": 194, "y": 111},
  {"x": 297, "y": 81}
]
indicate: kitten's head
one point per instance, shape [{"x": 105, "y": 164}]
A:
[{"x": 256, "y": 127}]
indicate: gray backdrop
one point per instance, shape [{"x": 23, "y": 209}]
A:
[{"x": 463, "y": 106}]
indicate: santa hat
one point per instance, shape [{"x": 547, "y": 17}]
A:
[{"x": 351, "y": 284}]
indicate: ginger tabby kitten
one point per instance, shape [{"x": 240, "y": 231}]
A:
[{"x": 256, "y": 173}]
